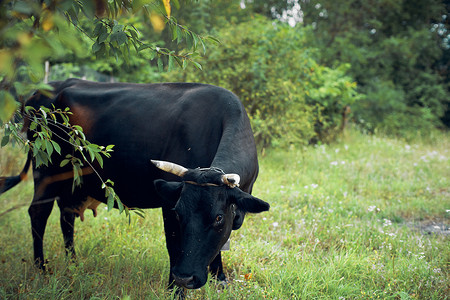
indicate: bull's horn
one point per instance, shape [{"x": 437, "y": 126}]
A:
[
  {"x": 232, "y": 180},
  {"x": 170, "y": 167}
]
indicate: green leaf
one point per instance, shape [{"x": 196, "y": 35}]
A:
[
  {"x": 174, "y": 32},
  {"x": 119, "y": 203},
  {"x": 73, "y": 14},
  {"x": 38, "y": 143},
  {"x": 197, "y": 65},
  {"x": 118, "y": 28},
  {"x": 203, "y": 46},
  {"x": 179, "y": 61},
  {"x": 189, "y": 40},
  {"x": 152, "y": 54},
  {"x": 57, "y": 147},
  {"x": 99, "y": 159},
  {"x": 49, "y": 148},
  {"x": 179, "y": 35},
  {"x": 110, "y": 200},
  {"x": 98, "y": 29},
  {"x": 64, "y": 162},
  {"x": 214, "y": 39},
  {"x": 41, "y": 158},
  {"x": 145, "y": 46},
  {"x": 7, "y": 106},
  {"x": 133, "y": 33},
  {"x": 88, "y": 8},
  {"x": 5, "y": 140},
  {"x": 196, "y": 40},
  {"x": 103, "y": 37},
  {"x": 170, "y": 65},
  {"x": 23, "y": 7},
  {"x": 120, "y": 37},
  {"x": 96, "y": 47},
  {"x": 160, "y": 64}
]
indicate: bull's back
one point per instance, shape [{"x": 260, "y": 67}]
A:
[{"x": 178, "y": 122}]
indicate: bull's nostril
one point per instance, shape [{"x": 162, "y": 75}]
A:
[{"x": 186, "y": 282}]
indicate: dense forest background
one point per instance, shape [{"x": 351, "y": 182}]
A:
[{"x": 303, "y": 68}]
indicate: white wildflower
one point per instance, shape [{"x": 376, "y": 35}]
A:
[{"x": 371, "y": 208}]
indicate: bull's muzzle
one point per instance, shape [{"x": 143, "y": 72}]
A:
[{"x": 186, "y": 282}]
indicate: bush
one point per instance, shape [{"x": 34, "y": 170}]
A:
[{"x": 289, "y": 97}]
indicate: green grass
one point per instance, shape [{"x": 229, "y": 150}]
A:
[{"x": 344, "y": 222}]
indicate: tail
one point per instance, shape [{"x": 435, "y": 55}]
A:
[{"x": 7, "y": 183}]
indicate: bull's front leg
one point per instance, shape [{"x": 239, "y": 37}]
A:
[
  {"x": 216, "y": 269},
  {"x": 39, "y": 211},
  {"x": 173, "y": 243}
]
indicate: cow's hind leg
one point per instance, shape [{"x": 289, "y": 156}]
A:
[
  {"x": 39, "y": 211},
  {"x": 67, "y": 220}
]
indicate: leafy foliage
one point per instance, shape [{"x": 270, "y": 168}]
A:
[
  {"x": 394, "y": 49},
  {"x": 52, "y": 132},
  {"x": 34, "y": 31},
  {"x": 290, "y": 98}
]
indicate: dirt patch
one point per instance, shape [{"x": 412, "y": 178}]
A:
[{"x": 439, "y": 227}]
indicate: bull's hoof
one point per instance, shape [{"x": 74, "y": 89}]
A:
[
  {"x": 223, "y": 283},
  {"x": 43, "y": 267}
]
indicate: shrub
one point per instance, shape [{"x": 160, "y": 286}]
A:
[{"x": 289, "y": 97}]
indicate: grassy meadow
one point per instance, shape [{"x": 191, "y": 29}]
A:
[{"x": 363, "y": 218}]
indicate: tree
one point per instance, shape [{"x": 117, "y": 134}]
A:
[
  {"x": 398, "y": 52},
  {"x": 34, "y": 31},
  {"x": 393, "y": 51},
  {"x": 291, "y": 99}
]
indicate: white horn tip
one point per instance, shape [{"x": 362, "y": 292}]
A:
[
  {"x": 170, "y": 167},
  {"x": 232, "y": 180}
]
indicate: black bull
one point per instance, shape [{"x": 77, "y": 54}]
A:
[{"x": 191, "y": 125}]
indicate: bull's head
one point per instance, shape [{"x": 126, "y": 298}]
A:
[{"x": 208, "y": 205}]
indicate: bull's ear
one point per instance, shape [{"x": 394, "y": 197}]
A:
[
  {"x": 248, "y": 203},
  {"x": 169, "y": 191},
  {"x": 238, "y": 219}
]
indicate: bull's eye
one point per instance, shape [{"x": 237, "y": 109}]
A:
[{"x": 219, "y": 219}]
